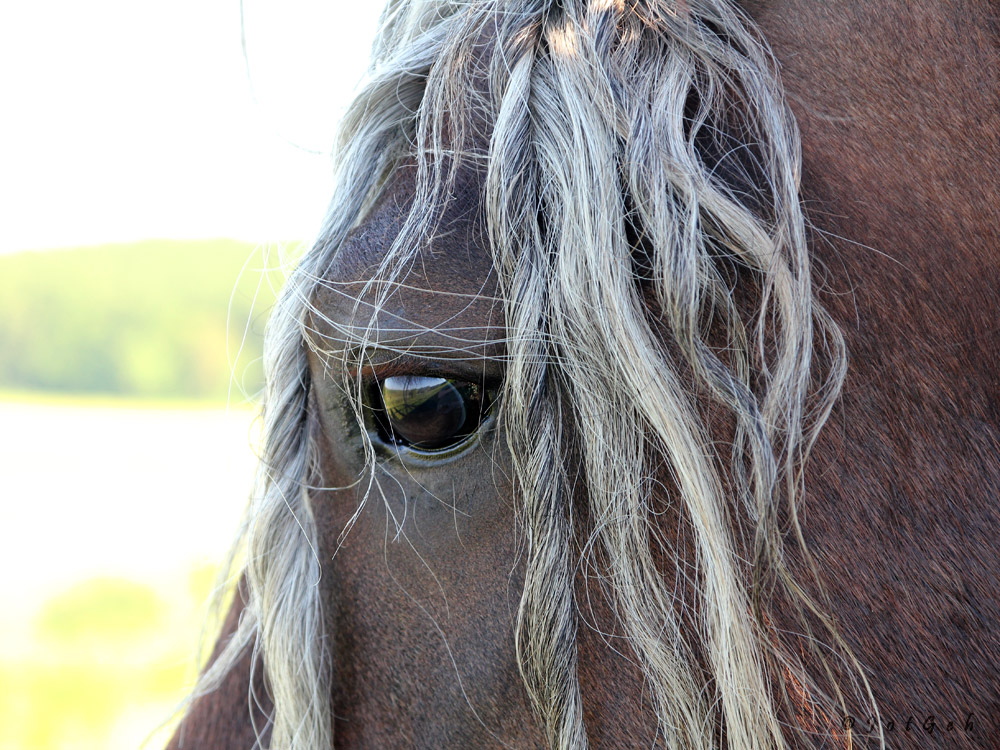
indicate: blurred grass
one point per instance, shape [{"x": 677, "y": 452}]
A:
[
  {"x": 150, "y": 319},
  {"x": 103, "y": 665},
  {"x": 107, "y": 579},
  {"x": 144, "y": 326}
]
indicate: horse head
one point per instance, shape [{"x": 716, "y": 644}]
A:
[{"x": 558, "y": 447}]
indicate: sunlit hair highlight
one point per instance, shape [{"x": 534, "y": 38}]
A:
[{"x": 641, "y": 200}]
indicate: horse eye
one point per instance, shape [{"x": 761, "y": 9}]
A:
[{"x": 428, "y": 413}]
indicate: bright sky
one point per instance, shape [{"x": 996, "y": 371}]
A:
[{"x": 128, "y": 119}]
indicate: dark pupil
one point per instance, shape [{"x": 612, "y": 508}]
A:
[{"x": 427, "y": 412}]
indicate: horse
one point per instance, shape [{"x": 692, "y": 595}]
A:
[{"x": 641, "y": 390}]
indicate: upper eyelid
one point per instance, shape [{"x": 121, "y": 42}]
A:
[{"x": 380, "y": 363}]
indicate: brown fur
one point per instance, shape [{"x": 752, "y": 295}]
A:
[{"x": 900, "y": 115}]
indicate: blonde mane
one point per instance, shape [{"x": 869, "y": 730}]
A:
[{"x": 642, "y": 207}]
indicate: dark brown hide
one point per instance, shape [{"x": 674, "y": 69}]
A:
[
  {"x": 899, "y": 108},
  {"x": 227, "y": 718},
  {"x": 900, "y": 116}
]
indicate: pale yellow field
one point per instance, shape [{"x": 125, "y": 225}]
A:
[{"x": 113, "y": 521}]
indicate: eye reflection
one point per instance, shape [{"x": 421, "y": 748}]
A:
[{"x": 428, "y": 413}]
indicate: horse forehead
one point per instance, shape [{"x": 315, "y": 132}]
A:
[{"x": 451, "y": 273}]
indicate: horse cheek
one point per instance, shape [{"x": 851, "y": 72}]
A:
[{"x": 420, "y": 597}]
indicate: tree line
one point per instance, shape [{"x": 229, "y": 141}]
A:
[{"x": 157, "y": 319}]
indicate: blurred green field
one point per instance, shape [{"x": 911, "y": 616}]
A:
[
  {"x": 160, "y": 318},
  {"x": 103, "y": 664},
  {"x": 116, "y": 366},
  {"x": 108, "y": 575}
]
